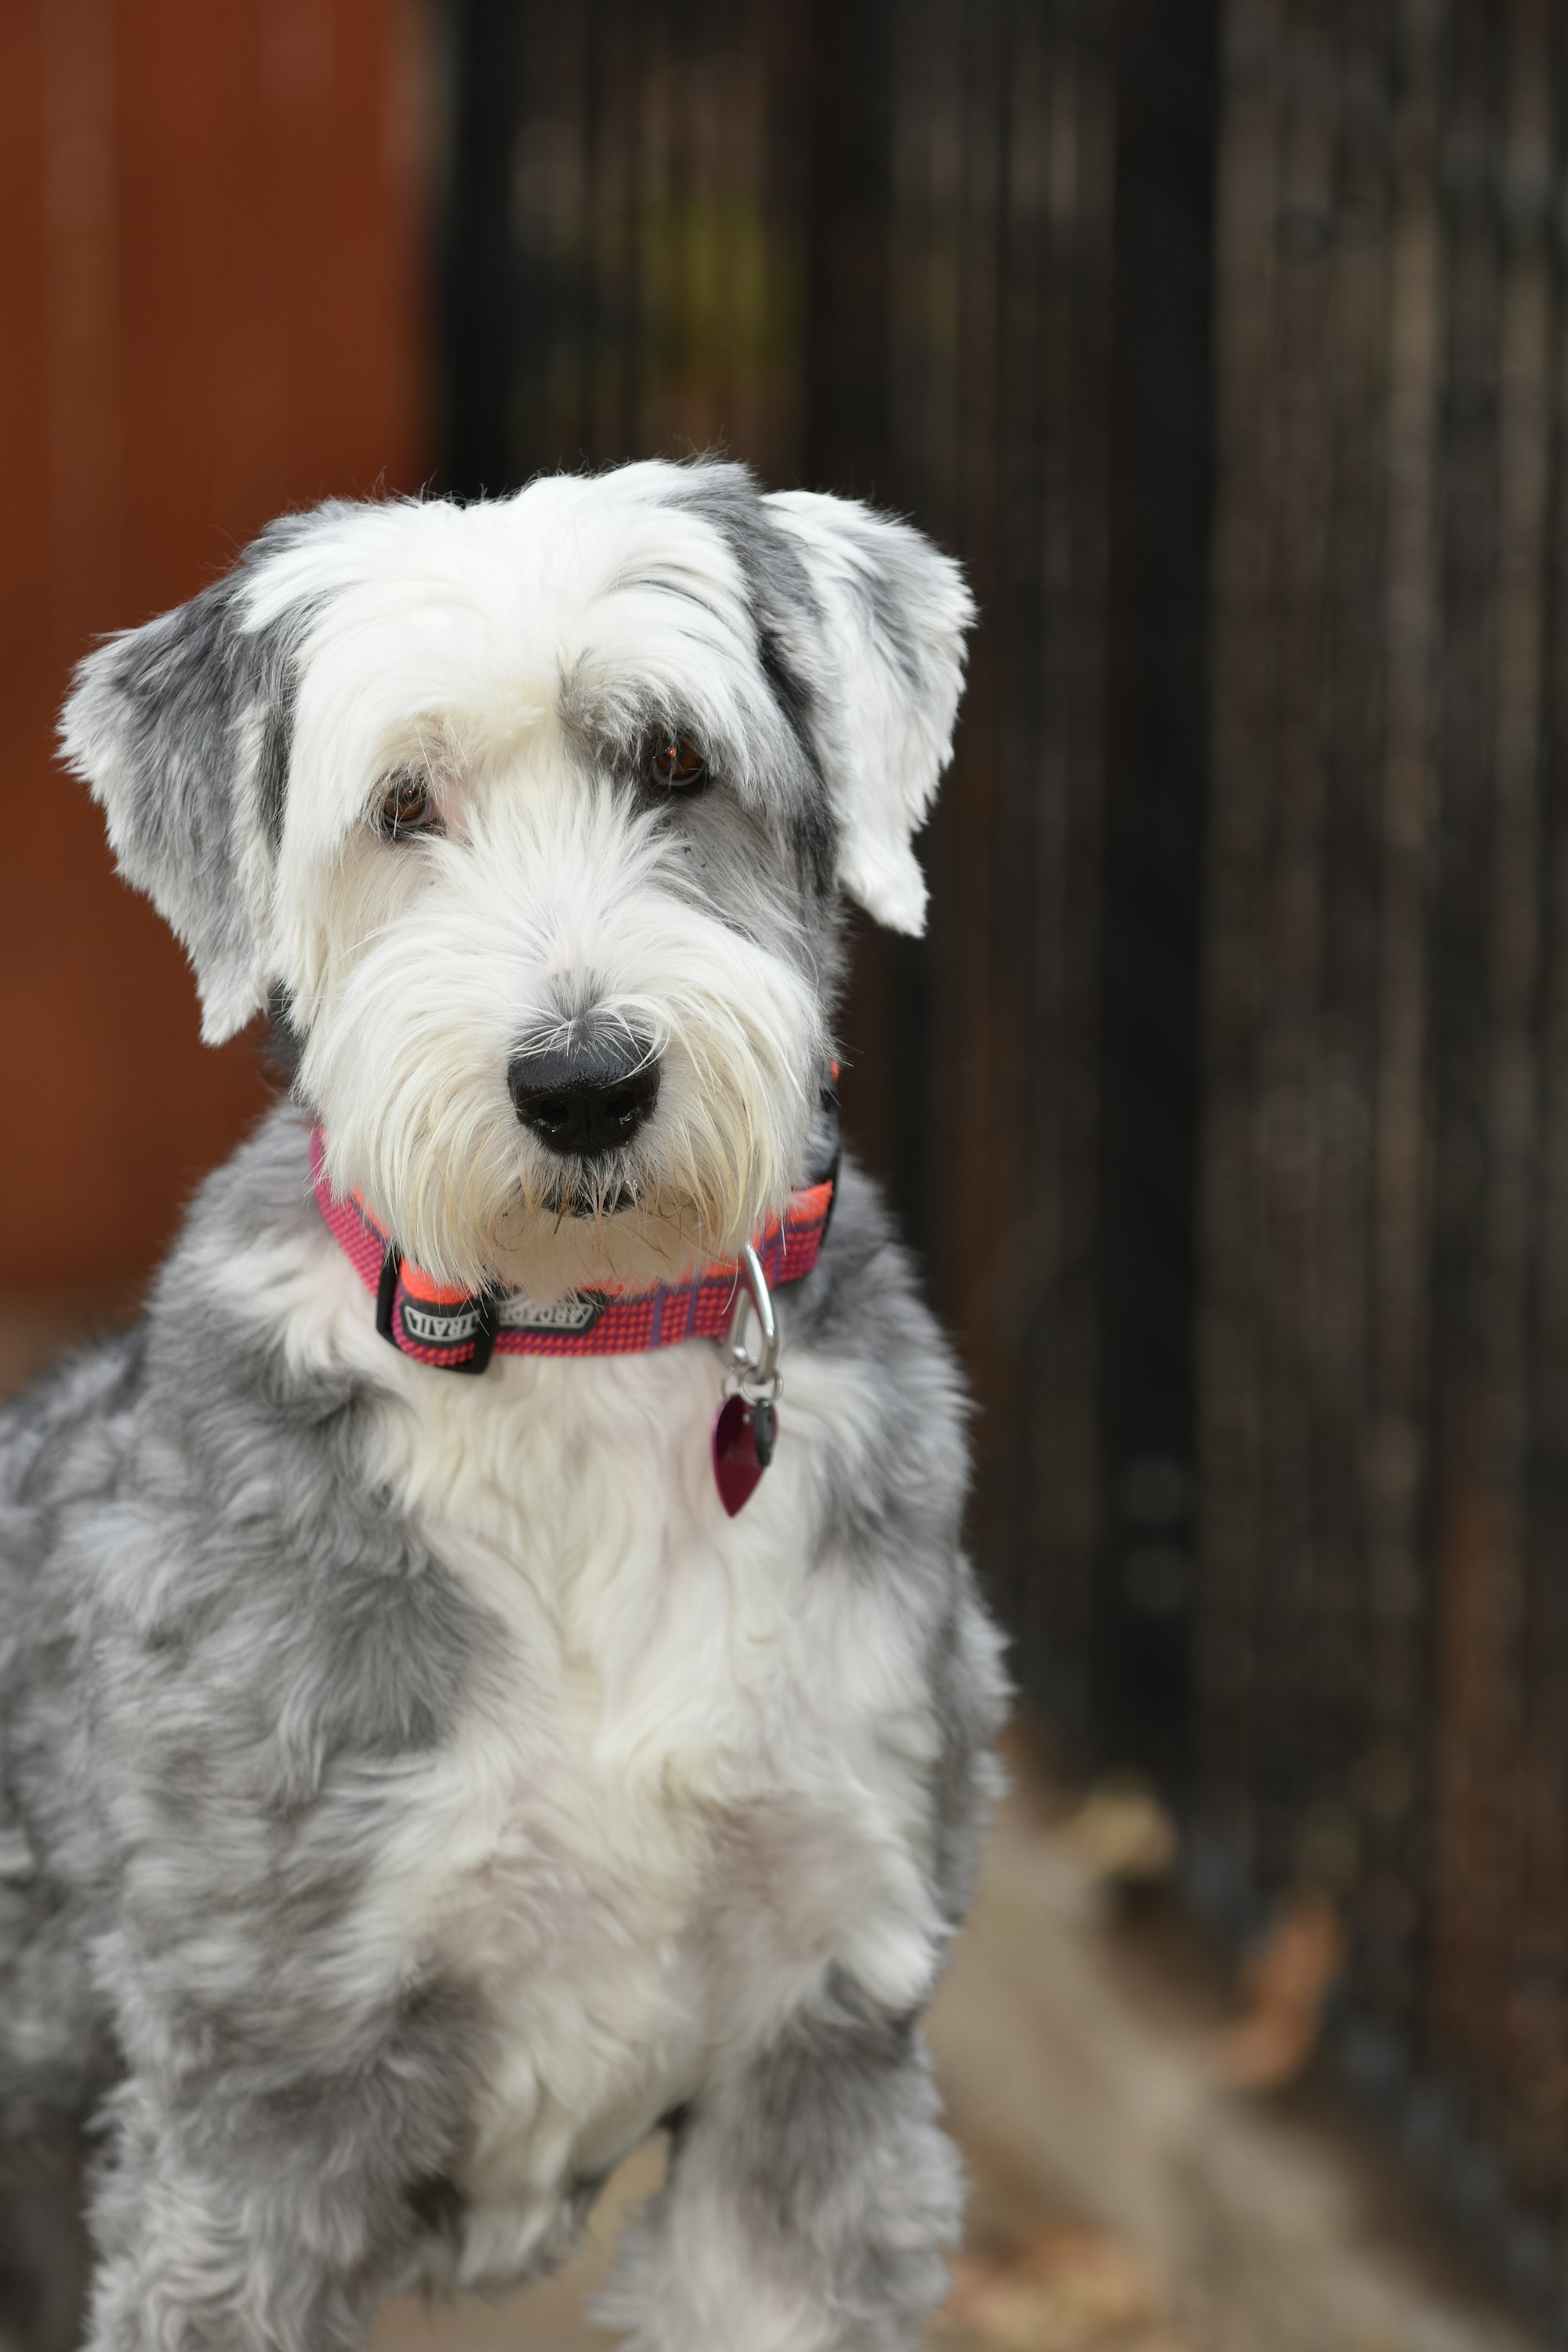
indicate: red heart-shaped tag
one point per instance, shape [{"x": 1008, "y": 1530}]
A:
[{"x": 736, "y": 1468}]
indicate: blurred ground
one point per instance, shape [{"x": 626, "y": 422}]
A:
[
  {"x": 1155, "y": 2165},
  {"x": 1035, "y": 2274}
]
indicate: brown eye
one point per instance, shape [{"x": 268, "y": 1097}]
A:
[
  {"x": 676, "y": 765},
  {"x": 409, "y": 806}
]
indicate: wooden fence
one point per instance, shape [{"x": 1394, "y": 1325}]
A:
[
  {"x": 1381, "y": 1625},
  {"x": 1229, "y": 1100}
]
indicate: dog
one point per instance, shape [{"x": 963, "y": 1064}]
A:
[{"x": 488, "y": 1671}]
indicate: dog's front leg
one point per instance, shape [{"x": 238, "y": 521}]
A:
[
  {"x": 240, "y": 2231},
  {"x": 810, "y": 2200}
]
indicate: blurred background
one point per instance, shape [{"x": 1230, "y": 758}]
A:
[{"x": 1226, "y": 1103}]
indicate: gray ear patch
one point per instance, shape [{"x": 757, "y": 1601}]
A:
[
  {"x": 789, "y": 624},
  {"x": 862, "y": 624},
  {"x": 892, "y": 613},
  {"x": 182, "y": 731}
]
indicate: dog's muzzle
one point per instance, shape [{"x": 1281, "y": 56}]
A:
[{"x": 585, "y": 1101}]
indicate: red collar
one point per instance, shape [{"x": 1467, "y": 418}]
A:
[{"x": 455, "y": 1332}]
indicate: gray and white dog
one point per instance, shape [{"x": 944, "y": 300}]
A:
[{"x": 415, "y": 1791}]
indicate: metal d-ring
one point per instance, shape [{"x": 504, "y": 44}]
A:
[{"x": 761, "y": 1374}]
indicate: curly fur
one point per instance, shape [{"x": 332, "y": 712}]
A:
[{"x": 415, "y": 1791}]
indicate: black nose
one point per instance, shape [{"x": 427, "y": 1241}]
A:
[{"x": 581, "y": 1100}]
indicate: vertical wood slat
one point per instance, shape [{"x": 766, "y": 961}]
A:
[
  {"x": 1232, "y": 1529},
  {"x": 951, "y": 129},
  {"x": 1350, "y": 719},
  {"x": 1510, "y": 1240},
  {"x": 1151, "y": 891},
  {"x": 1471, "y": 1530},
  {"x": 1289, "y": 773},
  {"x": 1054, "y": 751},
  {"x": 1394, "y": 1808},
  {"x": 1538, "y": 1989}
]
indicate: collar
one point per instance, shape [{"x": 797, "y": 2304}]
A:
[{"x": 453, "y": 1331}]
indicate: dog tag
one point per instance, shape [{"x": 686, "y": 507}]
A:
[{"x": 742, "y": 1447}]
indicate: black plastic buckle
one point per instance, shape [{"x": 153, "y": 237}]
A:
[
  {"x": 386, "y": 1292},
  {"x": 830, "y": 1160},
  {"x": 487, "y": 1312}
]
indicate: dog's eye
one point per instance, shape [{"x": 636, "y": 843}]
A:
[
  {"x": 408, "y": 806},
  {"x": 676, "y": 765}
]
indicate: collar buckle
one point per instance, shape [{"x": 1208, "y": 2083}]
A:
[{"x": 486, "y": 1306}]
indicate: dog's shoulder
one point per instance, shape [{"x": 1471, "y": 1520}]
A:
[{"x": 65, "y": 1435}]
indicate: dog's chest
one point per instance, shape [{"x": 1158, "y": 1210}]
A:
[{"x": 652, "y": 1822}]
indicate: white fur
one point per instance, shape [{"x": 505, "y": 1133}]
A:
[
  {"x": 445, "y": 635},
  {"x": 549, "y": 899},
  {"x": 693, "y": 1783},
  {"x": 447, "y": 641}
]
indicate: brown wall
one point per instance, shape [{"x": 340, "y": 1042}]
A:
[{"x": 212, "y": 296}]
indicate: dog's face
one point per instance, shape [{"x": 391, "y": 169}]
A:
[{"x": 537, "y": 812}]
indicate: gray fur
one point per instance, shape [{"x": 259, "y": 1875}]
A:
[
  {"x": 832, "y": 2157},
  {"x": 890, "y": 576},
  {"x": 790, "y": 636},
  {"x": 222, "y": 1646},
  {"x": 733, "y": 840},
  {"x": 226, "y": 1657},
  {"x": 797, "y": 808},
  {"x": 192, "y": 718}
]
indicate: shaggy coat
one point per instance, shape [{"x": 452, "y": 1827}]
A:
[{"x": 415, "y": 1791}]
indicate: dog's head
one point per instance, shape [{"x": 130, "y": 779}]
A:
[{"x": 537, "y": 812}]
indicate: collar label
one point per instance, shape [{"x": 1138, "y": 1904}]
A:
[
  {"x": 573, "y": 1314},
  {"x": 448, "y": 1327},
  {"x": 439, "y": 1327}
]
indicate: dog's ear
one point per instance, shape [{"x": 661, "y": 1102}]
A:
[
  {"x": 182, "y": 729},
  {"x": 894, "y": 613}
]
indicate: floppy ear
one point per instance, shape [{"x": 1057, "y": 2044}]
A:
[
  {"x": 894, "y": 613},
  {"x": 182, "y": 729}
]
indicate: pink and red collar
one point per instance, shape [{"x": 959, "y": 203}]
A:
[{"x": 453, "y": 1331}]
